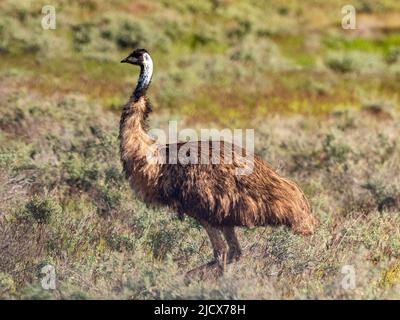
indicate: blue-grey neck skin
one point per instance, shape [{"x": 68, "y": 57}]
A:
[{"x": 146, "y": 72}]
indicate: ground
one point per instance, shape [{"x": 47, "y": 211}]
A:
[{"x": 323, "y": 102}]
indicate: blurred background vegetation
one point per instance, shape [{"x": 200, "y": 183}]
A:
[
  {"x": 324, "y": 102},
  {"x": 221, "y": 60}
]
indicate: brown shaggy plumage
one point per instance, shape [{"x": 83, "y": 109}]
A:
[{"x": 213, "y": 194}]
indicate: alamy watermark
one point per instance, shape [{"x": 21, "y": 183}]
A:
[
  {"x": 349, "y": 19},
  {"x": 48, "y": 280},
  {"x": 211, "y": 146},
  {"x": 49, "y": 18},
  {"x": 349, "y": 279}
]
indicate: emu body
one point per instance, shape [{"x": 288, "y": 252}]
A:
[{"x": 211, "y": 193}]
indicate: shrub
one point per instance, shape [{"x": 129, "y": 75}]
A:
[
  {"x": 241, "y": 29},
  {"x": 130, "y": 35},
  {"x": 334, "y": 152},
  {"x": 109, "y": 200},
  {"x": 329, "y": 153},
  {"x": 81, "y": 35},
  {"x": 41, "y": 209},
  {"x": 393, "y": 55},
  {"x": 120, "y": 242},
  {"x": 340, "y": 63},
  {"x": 355, "y": 61},
  {"x": 79, "y": 173}
]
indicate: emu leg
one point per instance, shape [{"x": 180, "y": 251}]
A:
[
  {"x": 217, "y": 242},
  {"x": 215, "y": 268},
  {"x": 234, "y": 252}
]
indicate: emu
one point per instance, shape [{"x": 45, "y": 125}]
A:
[{"x": 213, "y": 194}]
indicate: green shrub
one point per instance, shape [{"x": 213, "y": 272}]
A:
[
  {"x": 334, "y": 152},
  {"x": 340, "y": 63},
  {"x": 164, "y": 240},
  {"x": 393, "y": 55},
  {"x": 329, "y": 153},
  {"x": 242, "y": 28},
  {"x": 120, "y": 242},
  {"x": 80, "y": 173},
  {"x": 109, "y": 200},
  {"x": 355, "y": 61},
  {"x": 130, "y": 35},
  {"x": 41, "y": 209},
  {"x": 81, "y": 35}
]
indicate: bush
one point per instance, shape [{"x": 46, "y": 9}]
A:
[
  {"x": 121, "y": 242},
  {"x": 340, "y": 63},
  {"x": 393, "y": 56},
  {"x": 355, "y": 61},
  {"x": 130, "y": 35},
  {"x": 81, "y": 35},
  {"x": 110, "y": 200},
  {"x": 81, "y": 174},
  {"x": 41, "y": 209}
]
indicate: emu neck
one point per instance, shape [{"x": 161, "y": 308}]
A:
[
  {"x": 146, "y": 72},
  {"x": 133, "y": 122},
  {"x": 134, "y": 140}
]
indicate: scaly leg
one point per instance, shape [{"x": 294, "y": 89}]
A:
[
  {"x": 213, "y": 269},
  {"x": 234, "y": 252},
  {"x": 217, "y": 242}
]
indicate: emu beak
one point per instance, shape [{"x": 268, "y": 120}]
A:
[{"x": 124, "y": 60}]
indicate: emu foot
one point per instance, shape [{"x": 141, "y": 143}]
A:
[
  {"x": 234, "y": 256},
  {"x": 208, "y": 271}
]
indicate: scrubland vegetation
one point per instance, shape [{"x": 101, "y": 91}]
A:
[{"x": 324, "y": 103}]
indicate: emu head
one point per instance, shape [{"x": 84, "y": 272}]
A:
[
  {"x": 138, "y": 57},
  {"x": 141, "y": 57}
]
